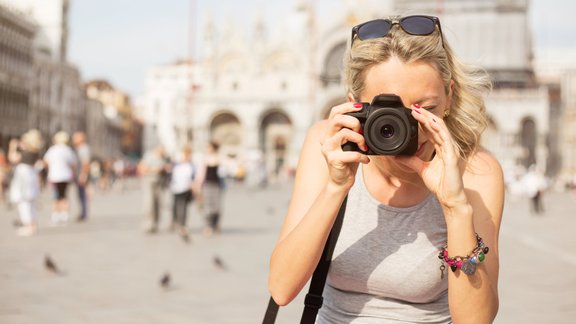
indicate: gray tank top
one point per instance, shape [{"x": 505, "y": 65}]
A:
[{"x": 385, "y": 267}]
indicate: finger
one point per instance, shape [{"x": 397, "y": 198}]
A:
[
  {"x": 343, "y": 136},
  {"x": 427, "y": 120},
  {"x": 338, "y": 157},
  {"x": 343, "y": 121},
  {"x": 345, "y": 108}
]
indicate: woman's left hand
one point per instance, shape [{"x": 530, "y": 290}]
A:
[{"x": 442, "y": 175}]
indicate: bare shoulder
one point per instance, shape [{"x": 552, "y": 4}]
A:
[
  {"x": 484, "y": 185},
  {"x": 318, "y": 130},
  {"x": 482, "y": 168}
]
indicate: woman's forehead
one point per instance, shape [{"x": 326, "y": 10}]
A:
[{"x": 413, "y": 81}]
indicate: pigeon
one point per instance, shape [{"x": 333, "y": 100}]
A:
[
  {"x": 218, "y": 263},
  {"x": 50, "y": 265},
  {"x": 165, "y": 280}
]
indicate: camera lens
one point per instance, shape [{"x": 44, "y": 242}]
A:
[{"x": 387, "y": 131}]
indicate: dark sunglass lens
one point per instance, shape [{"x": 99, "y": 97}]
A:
[
  {"x": 373, "y": 29},
  {"x": 418, "y": 25}
]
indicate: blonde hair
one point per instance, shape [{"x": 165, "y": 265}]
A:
[
  {"x": 32, "y": 141},
  {"x": 467, "y": 118},
  {"x": 61, "y": 138}
]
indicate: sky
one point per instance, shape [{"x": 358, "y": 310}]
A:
[{"x": 118, "y": 40}]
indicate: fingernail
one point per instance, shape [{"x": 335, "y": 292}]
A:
[
  {"x": 357, "y": 105},
  {"x": 417, "y": 106},
  {"x": 433, "y": 119},
  {"x": 361, "y": 131},
  {"x": 418, "y": 111}
]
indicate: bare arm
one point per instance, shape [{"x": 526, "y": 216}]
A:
[
  {"x": 13, "y": 155},
  {"x": 310, "y": 216},
  {"x": 324, "y": 175},
  {"x": 471, "y": 194},
  {"x": 484, "y": 187}
]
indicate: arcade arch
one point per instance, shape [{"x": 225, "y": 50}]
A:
[
  {"x": 275, "y": 135},
  {"x": 227, "y": 131}
]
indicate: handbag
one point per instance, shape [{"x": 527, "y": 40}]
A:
[{"x": 313, "y": 300}]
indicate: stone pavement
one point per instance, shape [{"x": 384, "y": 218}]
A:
[{"x": 112, "y": 269}]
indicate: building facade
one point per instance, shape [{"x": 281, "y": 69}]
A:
[
  {"x": 16, "y": 73},
  {"x": 249, "y": 92},
  {"x": 112, "y": 129},
  {"x": 40, "y": 88}
]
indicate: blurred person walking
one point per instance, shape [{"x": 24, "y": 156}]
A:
[
  {"x": 4, "y": 169},
  {"x": 25, "y": 183},
  {"x": 152, "y": 170},
  {"x": 534, "y": 183},
  {"x": 181, "y": 184},
  {"x": 82, "y": 180},
  {"x": 119, "y": 167},
  {"x": 62, "y": 163},
  {"x": 210, "y": 185}
]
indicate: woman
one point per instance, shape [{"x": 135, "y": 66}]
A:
[
  {"x": 25, "y": 186},
  {"x": 209, "y": 184},
  {"x": 409, "y": 231}
]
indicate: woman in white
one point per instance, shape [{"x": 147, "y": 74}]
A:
[
  {"x": 61, "y": 162},
  {"x": 25, "y": 185}
]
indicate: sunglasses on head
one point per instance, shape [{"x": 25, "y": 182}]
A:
[{"x": 418, "y": 25}]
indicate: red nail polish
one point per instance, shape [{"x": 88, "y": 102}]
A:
[
  {"x": 417, "y": 106},
  {"x": 361, "y": 131},
  {"x": 434, "y": 120},
  {"x": 418, "y": 112},
  {"x": 357, "y": 105}
]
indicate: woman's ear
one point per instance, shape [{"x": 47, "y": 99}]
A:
[
  {"x": 450, "y": 94},
  {"x": 350, "y": 97}
]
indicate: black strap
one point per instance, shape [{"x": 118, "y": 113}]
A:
[
  {"x": 271, "y": 312},
  {"x": 313, "y": 300}
]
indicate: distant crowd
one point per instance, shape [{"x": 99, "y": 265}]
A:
[{"x": 33, "y": 164}]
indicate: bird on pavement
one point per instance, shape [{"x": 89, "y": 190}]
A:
[
  {"x": 218, "y": 263},
  {"x": 165, "y": 280},
  {"x": 50, "y": 265}
]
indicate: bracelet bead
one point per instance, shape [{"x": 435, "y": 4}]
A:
[{"x": 466, "y": 264}]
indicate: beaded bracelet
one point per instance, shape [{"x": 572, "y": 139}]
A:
[{"x": 467, "y": 263}]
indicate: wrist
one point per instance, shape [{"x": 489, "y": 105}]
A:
[
  {"x": 456, "y": 204},
  {"x": 337, "y": 189}
]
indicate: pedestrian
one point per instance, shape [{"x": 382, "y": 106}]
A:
[
  {"x": 181, "y": 183},
  {"x": 210, "y": 183},
  {"x": 62, "y": 167},
  {"x": 25, "y": 183},
  {"x": 534, "y": 184},
  {"x": 83, "y": 178},
  {"x": 4, "y": 171},
  {"x": 417, "y": 222},
  {"x": 152, "y": 170},
  {"x": 119, "y": 167}
]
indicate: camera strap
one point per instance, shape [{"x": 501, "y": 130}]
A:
[{"x": 313, "y": 300}]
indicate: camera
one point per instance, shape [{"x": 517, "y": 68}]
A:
[{"x": 388, "y": 126}]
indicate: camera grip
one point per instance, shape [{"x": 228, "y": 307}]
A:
[{"x": 350, "y": 146}]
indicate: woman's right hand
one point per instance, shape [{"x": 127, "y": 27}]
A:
[{"x": 342, "y": 165}]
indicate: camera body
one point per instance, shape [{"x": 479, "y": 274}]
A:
[{"x": 388, "y": 127}]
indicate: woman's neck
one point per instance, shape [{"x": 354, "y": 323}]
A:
[{"x": 392, "y": 185}]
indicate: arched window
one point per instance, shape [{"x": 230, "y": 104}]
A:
[{"x": 333, "y": 64}]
